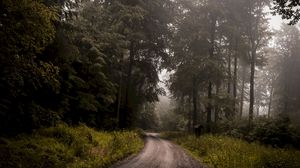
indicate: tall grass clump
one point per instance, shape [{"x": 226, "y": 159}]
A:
[
  {"x": 68, "y": 147},
  {"x": 227, "y": 152}
]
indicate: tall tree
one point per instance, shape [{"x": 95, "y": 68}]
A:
[
  {"x": 256, "y": 30},
  {"x": 26, "y": 29},
  {"x": 286, "y": 91},
  {"x": 144, "y": 25}
]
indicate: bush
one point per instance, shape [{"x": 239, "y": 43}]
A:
[
  {"x": 65, "y": 146},
  {"x": 277, "y": 132},
  {"x": 226, "y": 152}
]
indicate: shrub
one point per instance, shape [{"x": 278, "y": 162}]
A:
[
  {"x": 277, "y": 132},
  {"x": 227, "y": 152},
  {"x": 65, "y": 146}
]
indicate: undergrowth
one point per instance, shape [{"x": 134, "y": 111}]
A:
[
  {"x": 227, "y": 152},
  {"x": 68, "y": 147}
]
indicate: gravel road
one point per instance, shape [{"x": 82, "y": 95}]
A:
[{"x": 159, "y": 153}]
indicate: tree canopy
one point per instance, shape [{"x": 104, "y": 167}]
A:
[
  {"x": 288, "y": 10},
  {"x": 98, "y": 62}
]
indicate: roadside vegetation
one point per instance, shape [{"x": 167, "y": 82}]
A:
[
  {"x": 226, "y": 152},
  {"x": 64, "y": 146},
  {"x": 97, "y": 63}
]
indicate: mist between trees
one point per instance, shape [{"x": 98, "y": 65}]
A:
[{"x": 97, "y": 62}]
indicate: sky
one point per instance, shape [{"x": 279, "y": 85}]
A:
[{"x": 275, "y": 21}]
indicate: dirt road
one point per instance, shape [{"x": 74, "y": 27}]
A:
[{"x": 159, "y": 153}]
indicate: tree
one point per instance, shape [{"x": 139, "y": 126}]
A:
[
  {"x": 198, "y": 56},
  {"x": 26, "y": 29},
  {"x": 110, "y": 53},
  {"x": 148, "y": 118},
  {"x": 287, "y": 9},
  {"x": 144, "y": 26},
  {"x": 286, "y": 88},
  {"x": 256, "y": 30}
]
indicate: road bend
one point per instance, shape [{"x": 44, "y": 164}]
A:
[{"x": 159, "y": 153}]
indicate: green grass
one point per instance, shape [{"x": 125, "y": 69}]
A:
[
  {"x": 226, "y": 152},
  {"x": 63, "y": 146}
]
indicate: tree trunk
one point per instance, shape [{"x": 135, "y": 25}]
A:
[
  {"x": 242, "y": 92},
  {"x": 229, "y": 72},
  {"x": 209, "y": 107},
  {"x": 217, "y": 107},
  {"x": 211, "y": 55},
  {"x": 190, "y": 115},
  {"x": 119, "y": 95},
  {"x": 124, "y": 117},
  {"x": 195, "y": 95},
  {"x": 270, "y": 101},
  {"x": 235, "y": 78},
  {"x": 252, "y": 74},
  {"x": 286, "y": 98}
]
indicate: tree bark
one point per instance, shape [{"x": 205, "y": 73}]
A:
[
  {"x": 229, "y": 72},
  {"x": 195, "y": 96},
  {"x": 235, "y": 78},
  {"x": 211, "y": 55},
  {"x": 217, "y": 107},
  {"x": 270, "y": 101},
  {"x": 124, "y": 116},
  {"x": 190, "y": 113},
  {"x": 242, "y": 92},
  {"x": 252, "y": 74},
  {"x": 209, "y": 107},
  {"x": 119, "y": 95}
]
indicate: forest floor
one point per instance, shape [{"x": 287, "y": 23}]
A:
[{"x": 159, "y": 153}]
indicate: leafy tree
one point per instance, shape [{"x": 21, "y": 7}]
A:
[
  {"x": 148, "y": 118},
  {"x": 256, "y": 31},
  {"x": 26, "y": 29},
  {"x": 286, "y": 90},
  {"x": 197, "y": 54},
  {"x": 144, "y": 25},
  {"x": 84, "y": 54},
  {"x": 287, "y": 9}
]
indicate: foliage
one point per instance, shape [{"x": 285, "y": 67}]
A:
[
  {"x": 277, "y": 132},
  {"x": 148, "y": 118},
  {"x": 226, "y": 152},
  {"x": 87, "y": 90},
  {"x": 287, "y": 90},
  {"x": 171, "y": 121},
  {"x": 287, "y": 9},
  {"x": 26, "y": 78},
  {"x": 70, "y": 60},
  {"x": 64, "y": 146},
  {"x": 212, "y": 40}
]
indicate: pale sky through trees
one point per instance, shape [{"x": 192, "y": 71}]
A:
[{"x": 275, "y": 22}]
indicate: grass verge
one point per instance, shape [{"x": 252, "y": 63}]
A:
[
  {"x": 68, "y": 147},
  {"x": 227, "y": 152}
]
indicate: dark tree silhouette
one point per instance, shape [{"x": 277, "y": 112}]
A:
[{"x": 287, "y": 9}]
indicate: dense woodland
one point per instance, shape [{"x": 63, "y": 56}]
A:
[
  {"x": 98, "y": 63},
  {"x": 230, "y": 58}
]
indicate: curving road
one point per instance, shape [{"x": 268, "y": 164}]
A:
[{"x": 159, "y": 153}]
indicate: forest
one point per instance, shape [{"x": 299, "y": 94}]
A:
[{"x": 80, "y": 80}]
